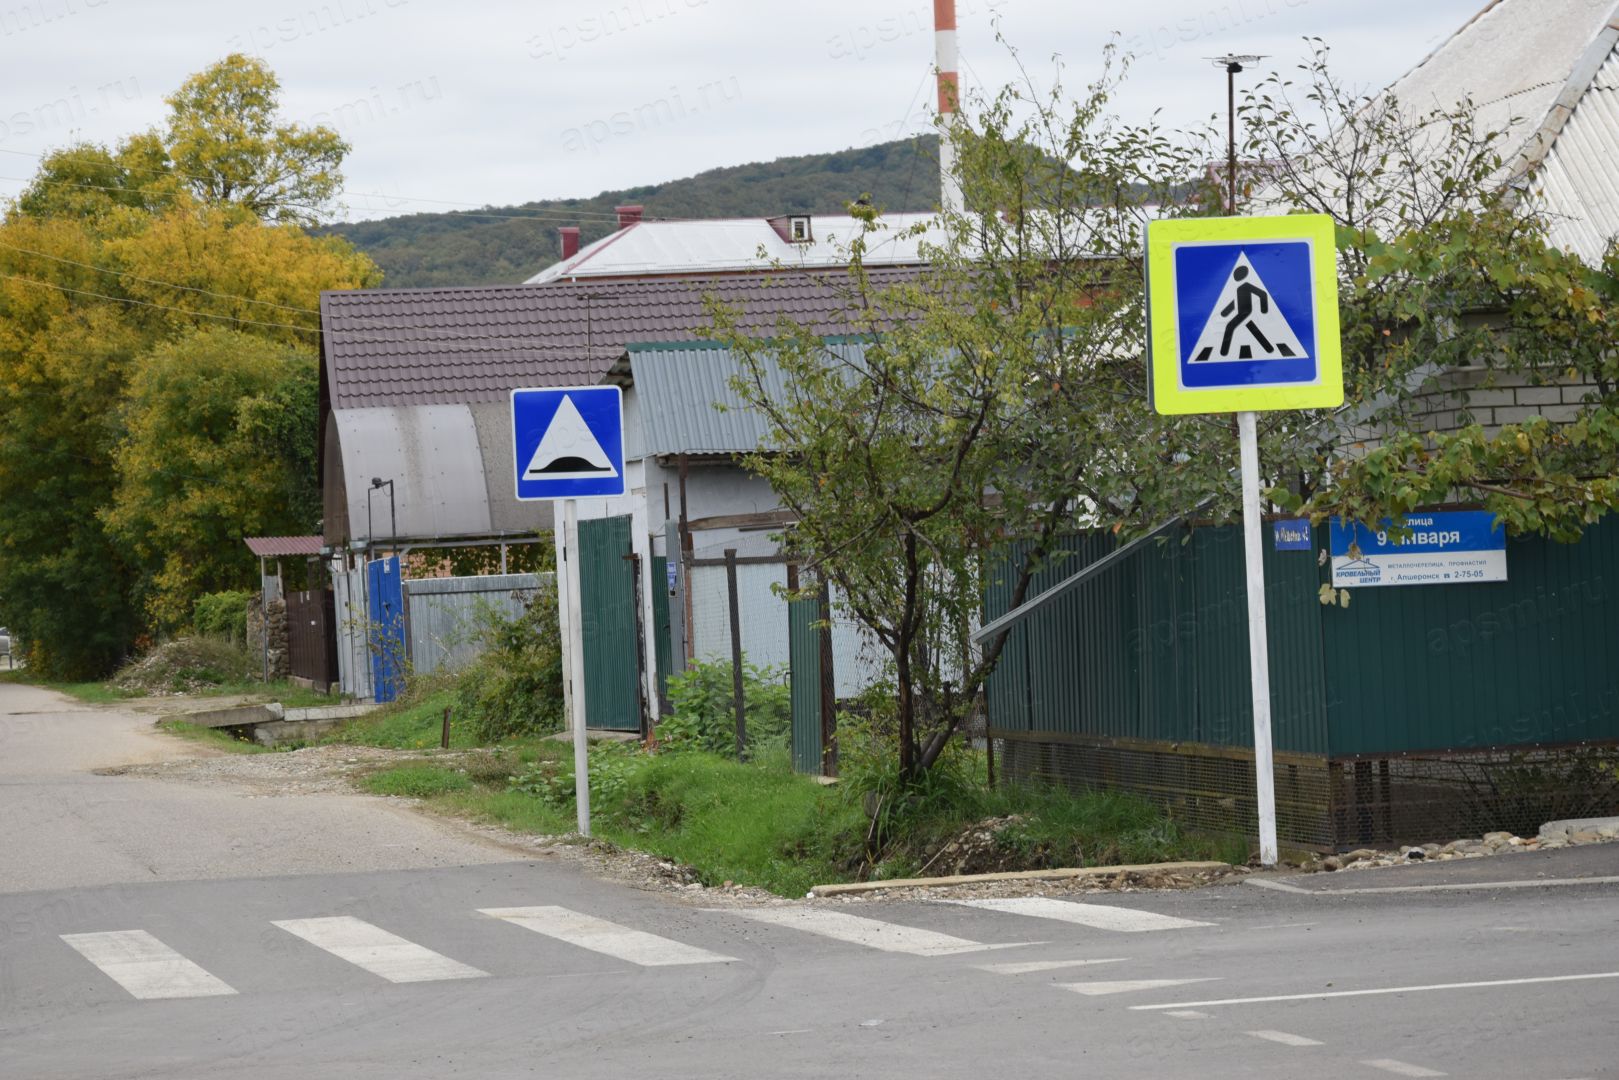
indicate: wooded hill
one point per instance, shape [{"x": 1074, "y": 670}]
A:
[{"x": 498, "y": 245}]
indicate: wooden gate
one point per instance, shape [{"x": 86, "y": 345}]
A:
[{"x": 312, "y": 637}]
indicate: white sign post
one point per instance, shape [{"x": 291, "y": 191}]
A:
[
  {"x": 1253, "y": 551},
  {"x": 568, "y": 444},
  {"x": 1243, "y": 316}
]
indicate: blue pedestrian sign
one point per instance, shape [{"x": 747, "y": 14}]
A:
[
  {"x": 568, "y": 442},
  {"x": 1244, "y": 314}
]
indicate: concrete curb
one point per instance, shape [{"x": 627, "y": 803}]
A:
[{"x": 1065, "y": 874}]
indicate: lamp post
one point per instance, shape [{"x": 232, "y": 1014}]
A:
[
  {"x": 1233, "y": 65},
  {"x": 393, "y": 522}
]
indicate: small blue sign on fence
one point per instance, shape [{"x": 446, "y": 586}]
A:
[{"x": 1291, "y": 535}]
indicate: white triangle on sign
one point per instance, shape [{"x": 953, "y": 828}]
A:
[
  {"x": 569, "y": 450},
  {"x": 1245, "y": 324}
]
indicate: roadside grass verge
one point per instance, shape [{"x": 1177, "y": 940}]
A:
[
  {"x": 224, "y": 740},
  {"x": 106, "y": 693},
  {"x": 416, "y": 781},
  {"x": 95, "y": 693},
  {"x": 413, "y": 722},
  {"x": 762, "y": 825}
]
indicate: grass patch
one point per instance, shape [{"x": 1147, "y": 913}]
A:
[
  {"x": 413, "y": 722},
  {"x": 417, "y": 781},
  {"x": 95, "y": 693},
  {"x": 217, "y": 737}
]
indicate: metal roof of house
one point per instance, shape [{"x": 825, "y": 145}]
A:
[
  {"x": 415, "y": 347},
  {"x": 1543, "y": 73},
  {"x": 270, "y": 547},
  {"x": 733, "y": 244},
  {"x": 687, "y": 402}
]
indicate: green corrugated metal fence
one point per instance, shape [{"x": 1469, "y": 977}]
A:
[
  {"x": 1155, "y": 650},
  {"x": 804, "y": 655},
  {"x": 607, "y": 602}
]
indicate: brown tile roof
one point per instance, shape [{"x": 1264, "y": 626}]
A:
[
  {"x": 270, "y": 547},
  {"x": 464, "y": 345}
]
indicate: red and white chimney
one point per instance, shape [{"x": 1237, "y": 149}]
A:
[
  {"x": 944, "y": 47},
  {"x": 628, "y": 215},
  {"x": 570, "y": 240}
]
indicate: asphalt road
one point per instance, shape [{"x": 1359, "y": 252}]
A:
[{"x": 271, "y": 964}]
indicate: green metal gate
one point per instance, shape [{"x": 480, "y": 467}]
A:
[
  {"x": 663, "y": 629},
  {"x": 804, "y": 659},
  {"x": 612, "y": 649}
]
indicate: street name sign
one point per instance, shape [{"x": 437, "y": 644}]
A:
[
  {"x": 568, "y": 442},
  {"x": 1291, "y": 534},
  {"x": 1243, "y": 314},
  {"x": 1435, "y": 548}
]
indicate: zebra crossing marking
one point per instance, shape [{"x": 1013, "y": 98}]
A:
[
  {"x": 1130, "y": 986},
  {"x": 609, "y": 938},
  {"x": 1097, "y": 916},
  {"x": 871, "y": 933},
  {"x": 377, "y": 951},
  {"x": 146, "y": 967},
  {"x": 1028, "y": 967}
]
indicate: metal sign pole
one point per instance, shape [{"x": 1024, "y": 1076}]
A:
[
  {"x": 576, "y": 663},
  {"x": 1258, "y": 656}
]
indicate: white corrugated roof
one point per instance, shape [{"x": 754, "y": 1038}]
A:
[
  {"x": 681, "y": 247},
  {"x": 1542, "y": 73},
  {"x": 1578, "y": 182}
]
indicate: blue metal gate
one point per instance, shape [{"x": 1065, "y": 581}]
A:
[{"x": 386, "y": 634}]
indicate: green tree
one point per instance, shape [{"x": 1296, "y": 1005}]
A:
[
  {"x": 1001, "y": 401},
  {"x": 108, "y": 259},
  {"x": 229, "y": 147},
  {"x": 211, "y": 453}
]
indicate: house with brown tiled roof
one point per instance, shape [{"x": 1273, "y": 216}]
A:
[{"x": 415, "y": 400}]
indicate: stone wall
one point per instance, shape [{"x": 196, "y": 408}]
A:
[{"x": 280, "y": 659}]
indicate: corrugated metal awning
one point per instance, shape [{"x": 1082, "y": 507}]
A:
[{"x": 271, "y": 547}]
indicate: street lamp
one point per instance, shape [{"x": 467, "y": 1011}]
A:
[
  {"x": 1233, "y": 64},
  {"x": 393, "y": 523}
]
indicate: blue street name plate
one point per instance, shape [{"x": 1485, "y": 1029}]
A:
[
  {"x": 1291, "y": 535},
  {"x": 1436, "y": 548}
]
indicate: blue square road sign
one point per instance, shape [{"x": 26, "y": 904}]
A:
[{"x": 568, "y": 442}]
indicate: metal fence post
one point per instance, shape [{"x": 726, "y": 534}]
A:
[{"x": 736, "y": 654}]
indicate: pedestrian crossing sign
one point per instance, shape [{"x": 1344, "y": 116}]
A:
[
  {"x": 1243, "y": 314},
  {"x": 568, "y": 442}
]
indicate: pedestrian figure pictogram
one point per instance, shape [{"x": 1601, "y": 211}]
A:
[{"x": 1246, "y": 323}]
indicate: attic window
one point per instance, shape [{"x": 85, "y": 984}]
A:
[{"x": 798, "y": 229}]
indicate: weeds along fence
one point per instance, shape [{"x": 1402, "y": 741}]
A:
[{"x": 1414, "y": 713}]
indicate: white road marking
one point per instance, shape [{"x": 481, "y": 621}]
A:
[
  {"x": 144, "y": 966},
  {"x": 1031, "y": 966},
  {"x": 611, "y": 939},
  {"x": 378, "y": 951},
  {"x": 1539, "y": 883},
  {"x": 1283, "y": 1037},
  {"x": 1401, "y": 1068},
  {"x": 873, "y": 934},
  {"x": 1383, "y": 990},
  {"x": 1187, "y": 1014},
  {"x": 1097, "y": 916},
  {"x": 1098, "y": 989}
]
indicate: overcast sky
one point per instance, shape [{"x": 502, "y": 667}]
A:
[{"x": 491, "y": 103}]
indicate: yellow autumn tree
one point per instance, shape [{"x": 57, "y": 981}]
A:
[{"x": 179, "y": 246}]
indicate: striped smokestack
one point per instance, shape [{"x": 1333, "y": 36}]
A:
[{"x": 944, "y": 46}]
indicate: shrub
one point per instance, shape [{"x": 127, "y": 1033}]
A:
[
  {"x": 222, "y": 614},
  {"x": 704, "y": 709},
  {"x": 515, "y": 686}
]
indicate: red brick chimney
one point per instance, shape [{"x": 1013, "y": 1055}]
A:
[
  {"x": 570, "y": 240},
  {"x": 629, "y": 215}
]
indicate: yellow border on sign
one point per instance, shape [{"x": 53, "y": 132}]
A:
[{"x": 1168, "y": 396}]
